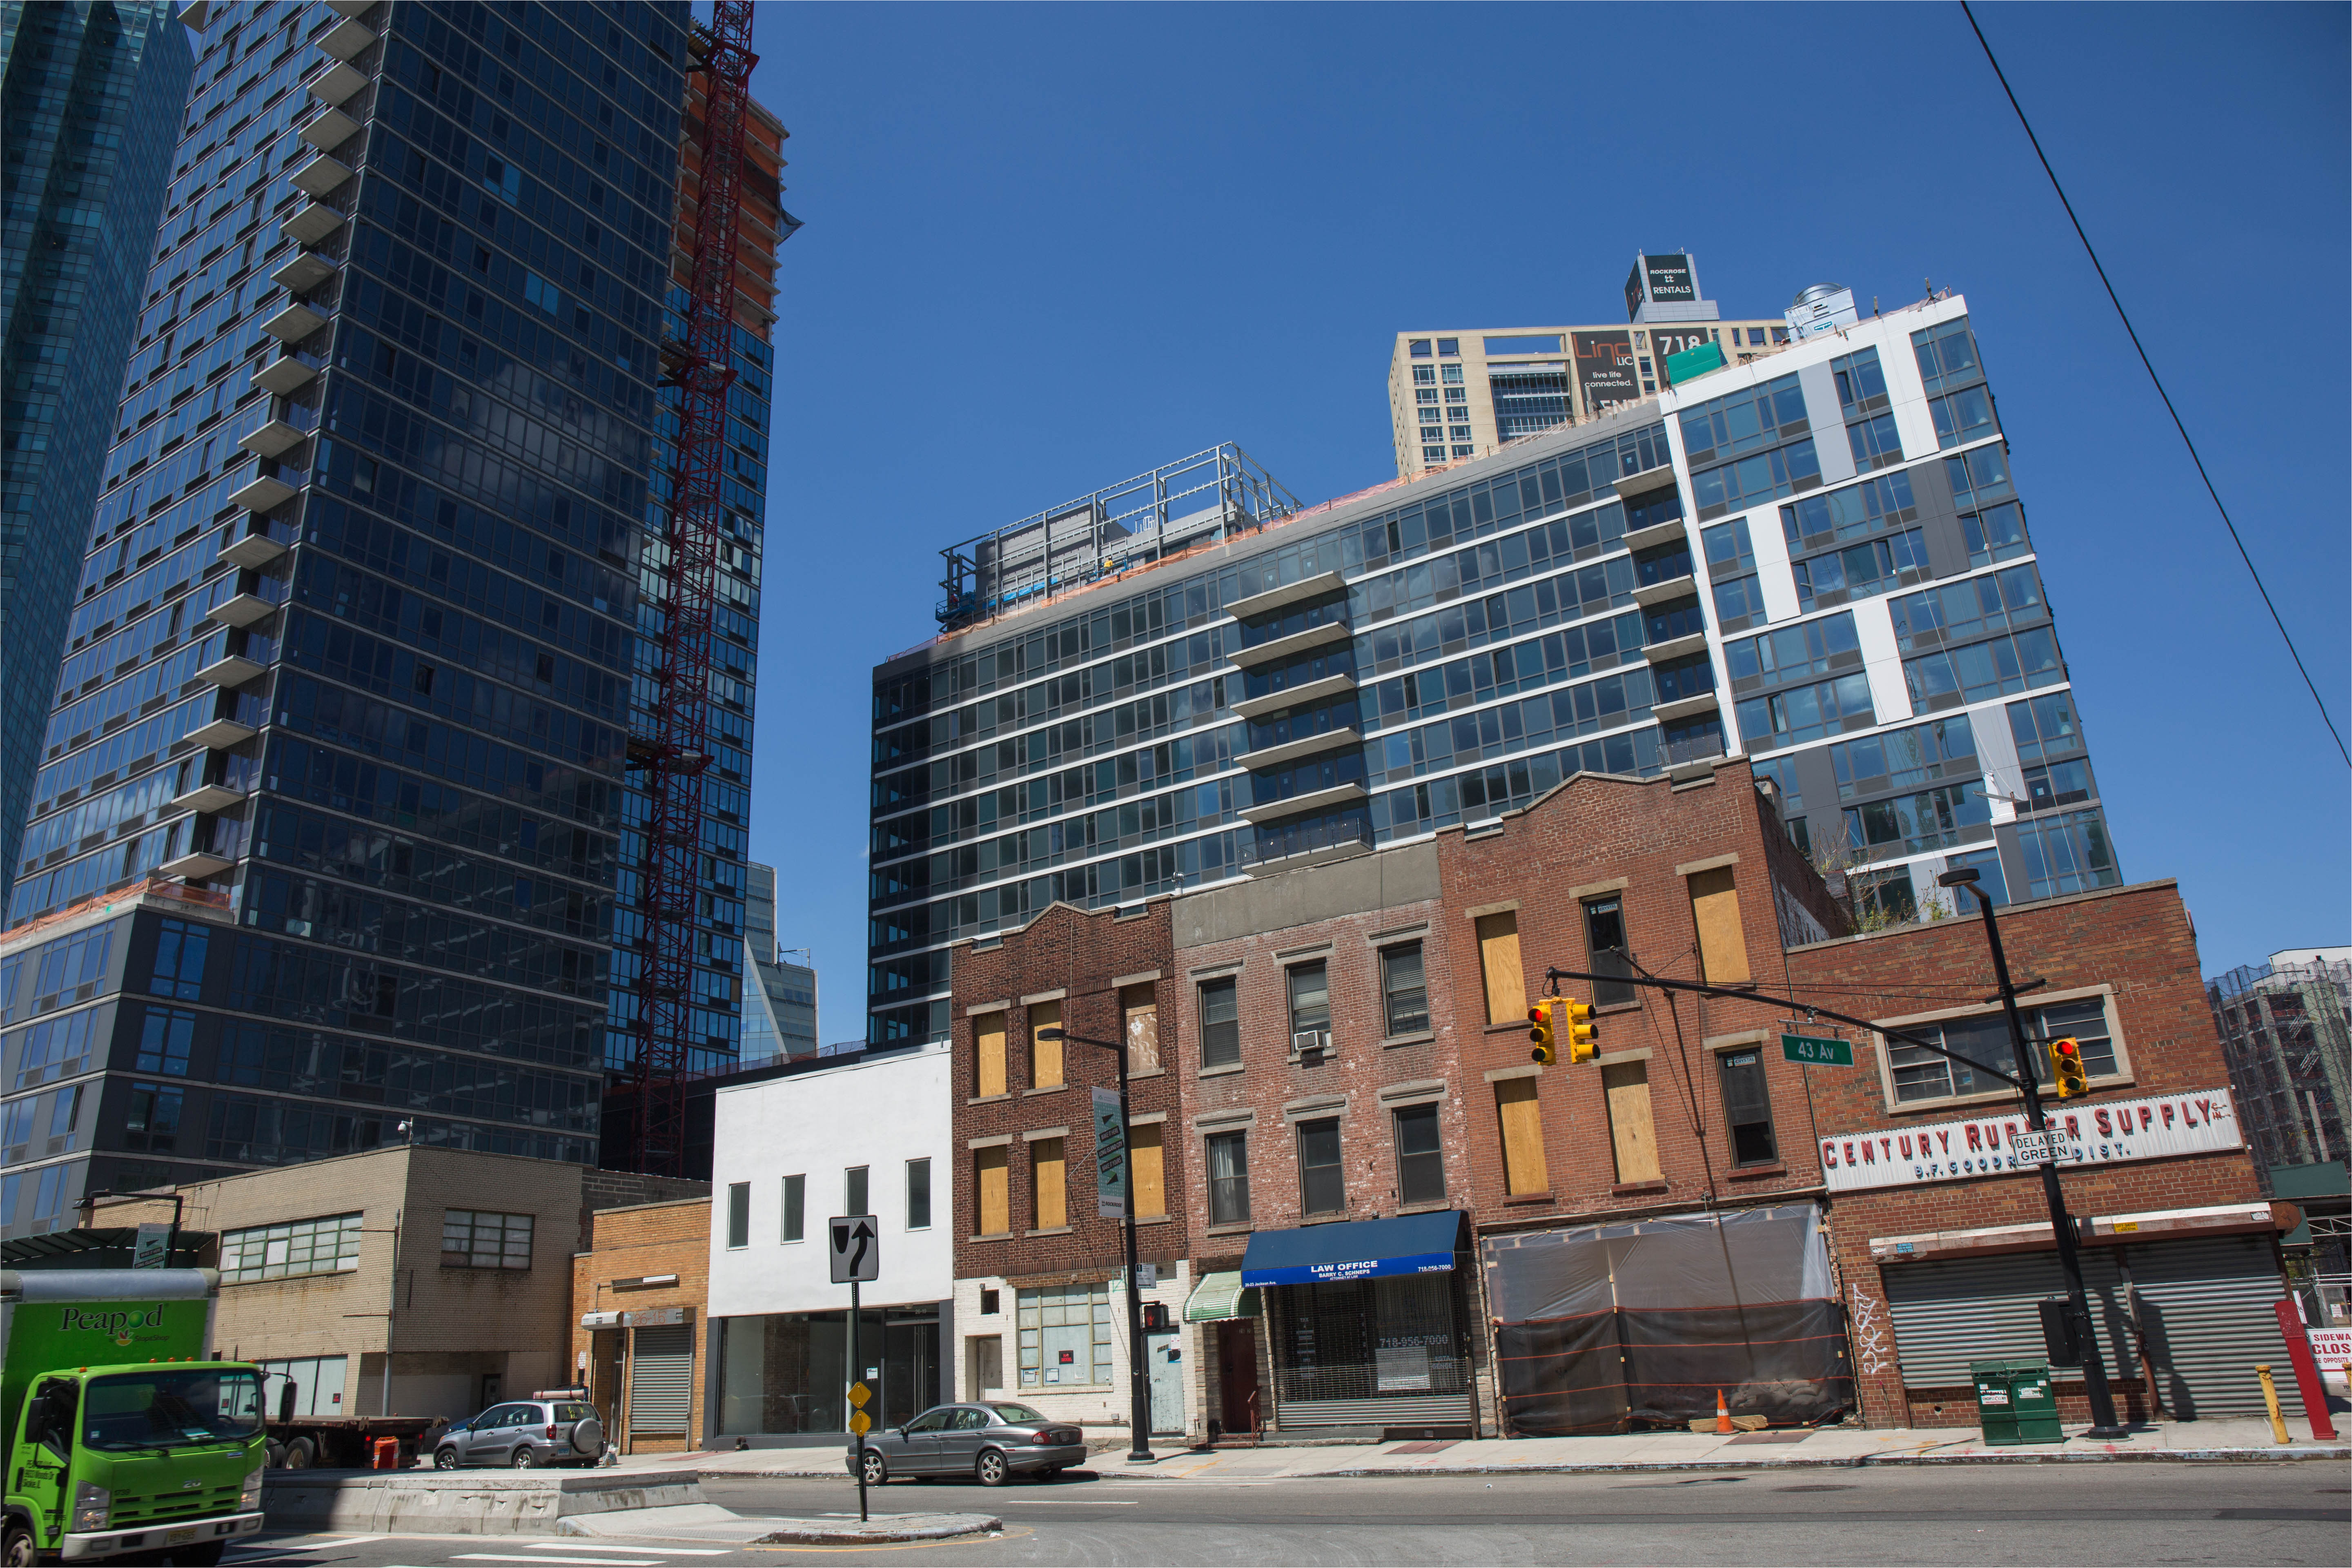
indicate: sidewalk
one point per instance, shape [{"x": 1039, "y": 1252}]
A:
[{"x": 2234, "y": 1440}]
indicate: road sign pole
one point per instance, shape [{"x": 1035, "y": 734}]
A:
[{"x": 856, "y": 1376}]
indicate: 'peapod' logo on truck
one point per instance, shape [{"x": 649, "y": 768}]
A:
[{"x": 116, "y": 1325}]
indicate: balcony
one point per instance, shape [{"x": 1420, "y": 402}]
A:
[
  {"x": 207, "y": 797},
  {"x": 1686, "y": 708},
  {"x": 349, "y": 7},
  {"x": 329, "y": 129},
  {"x": 294, "y": 323},
  {"x": 337, "y": 83},
  {"x": 270, "y": 439},
  {"x": 221, "y": 734},
  {"x": 1301, "y": 805},
  {"x": 303, "y": 273},
  {"x": 1306, "y": 746},
  {"x": 1282, "y": 649},
  {"x": 312, "y": 223},
  {"x": 230, "y": 670},
  {"x": 261, "y": 493},
  {"x": 1296, "y": 697},
  {"x": 1648, "y": 480},
  {"x": 1671, "y": 588},
  {"x": 320, "y": 176},
  {"x": 284, "y": 378},
  {"x": 253, "y": 550},
  {"x": 1669, "y": 531},
  {"x": 346, "y": 39},
  {"x": 1290, "y": 594},
  {"x": 1678, "y": 647},
  {"x": 196, "y": 866},
  {"x": 243, "y": 610}
]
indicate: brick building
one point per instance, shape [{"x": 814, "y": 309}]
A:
[
  {"x": 640, "y": 1316},
  {"x": 1944, "y": 1245}
]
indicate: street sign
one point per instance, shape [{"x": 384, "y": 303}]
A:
[
  {"x": 860, "y": 1423},
  {"x": 2038, "y": 1148},
  {"x": 1111, "y": 1156},
  {"x": 857, "y": 1252},
  {"x": 1146, "y": 1274},
  {"x": 859, "y": 1394},
  {"x": 154, "y": 1248},
  {"x": 1815, "y": 1051}
]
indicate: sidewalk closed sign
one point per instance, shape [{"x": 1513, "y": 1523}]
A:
[{"x": 1111, "y": 1156}]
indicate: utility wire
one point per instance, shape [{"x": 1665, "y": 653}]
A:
[{"x": 2145, "y": 362}]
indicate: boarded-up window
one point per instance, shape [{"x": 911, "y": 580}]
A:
[
  {"x": 989, "y": 1178},
  {"x": 1141, "y": 1010},
  {"x": 1053, "y": 1193},
  {"x": 1146, "y": 1159},
  {"x": 1523, "y": 1145},
  {"x": 1715, "y": 908},
  {"x": 1045, "y": 1056},
  {"x": 1630, "y": 1128},
  {"x": 988, "y": 1033},
  {"x": 1498, "y": 959}
]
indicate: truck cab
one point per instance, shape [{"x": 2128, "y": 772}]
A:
[{"x": 111, "y": 1452}]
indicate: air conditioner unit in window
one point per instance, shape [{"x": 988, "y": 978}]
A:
[{"x": 1309, "y": 1041}]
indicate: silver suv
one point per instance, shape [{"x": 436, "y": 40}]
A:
[{"x": 524, "y": 1434}]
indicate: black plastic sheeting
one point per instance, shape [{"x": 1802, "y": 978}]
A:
[{"x": 1615, "y": 1328}]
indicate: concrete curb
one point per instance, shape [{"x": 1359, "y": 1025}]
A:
[
  {"x": 888, "y": 1528},
  {"x": 1852, "y": 1462}
]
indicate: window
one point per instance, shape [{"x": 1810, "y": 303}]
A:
[
  {"x": 988, "y": 1041},
  {"x": 1424, "y": 375},
  {"x": 1045, "y": 1056},
  {"x": 179, "y": 961},
  {"x": 1794, "y": 653},
  {"x": 1861, "y": 570},
  {"x": 164, "y": 1041},
  {"x": 1626, "y": 1087},
  {"x": 1745, "y": 421},
  {"x": 66, "y": 971},
  {"x": 153, "y": 1122},
  {"x": 471, "y": 1238},
  {"x": 990, "y": 1183},
  {"x": 1457, "y": 394},
  {"x": 1956, "y": 612},
  {"x": 988, "y": 1303},
  {"x": 1996, "y": 533},
  {"x": 1860, "y": 383},
  {"x": 919, "y": 1194},
  {"x": 1978, "y": 477},
  {"x": 1426, "y": 395},
  {"x": 1138, "y": 1009},
  {"x": 738, "y": 1213},
  {"x": 1874, "y": 443},
  {"x": 1449, "y": 348},
  {"x": 1433, "y": 454},
  {"x": 1746, "y": 1107},
  {"x": 1419, "y": 348},
  {"x": 1322, "y": 1189},
  {"x": 1931, "y": 819},
  {"x": 330, "y": 1245},
  {"x": 1715, "y": 911},
  {"x": 1220, "y": 1027},
  {"x": 538, "y": 291},
  {"x": 1963, "y": 416},
  {"x": 1464, "y": 452},
  {"x": 1604, "y": 941},
  {"x": 58, "y": 1048},
  {"x": 1765, "y": 477},
  {"x": 1986, "y": 863},
  {"x": 1942, "y": 748},
  {"x": 1519, "y": 1111},
  {"x": 1883, "y": 501},
  {"x": 1453, "y": 376},
  {"x": 2003, "y": 665},
  {"x": 853, "y": 1190},
  {"x": 1806, "y": 713},
  {"x": 1229, "y": 1178},
  {"x": 1147, "y": 1163},
  {"x": 1049, "y": 1183},
  {"x": 1064, "y": 1335},
  {"x": 1727, "y": 549},
  {"x": 1498, "y": 962},
  {"x": 1738, "y": 602},
  {"x": 1883, "y": 898},
  {"x": 1404, "y": 994},
  {"x": 1983, "y": 1039},
  {"x": 795, "y": 1208},
  {"x": 2044, "y": 726},
  {"x": 2052, "y": 784},
  {"x": 2067, "y": 854},
  {"x": 1946, "y": 354},
  {"x": 1421, "y": 1164},
  {"x": 1310, "y": 1001}
]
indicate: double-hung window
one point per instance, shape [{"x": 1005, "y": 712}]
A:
[
  {"x": 1322, "y": 1186},
  {"x": 1404, "y": 991},
  {"x": 1310, "y": 1006},
  {"x": 1229, "y": 1178},
  {"x": 1221, "y": 1024}
]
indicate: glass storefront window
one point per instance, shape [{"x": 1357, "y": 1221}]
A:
[
  {"x": 787, "y": 1373},
  {"x": 1065, "y": 1337}
]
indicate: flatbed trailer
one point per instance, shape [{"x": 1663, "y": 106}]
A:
[{"x": 345, "y": 1442}]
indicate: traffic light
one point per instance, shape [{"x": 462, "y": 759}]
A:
[
  {"x": 1539, "y": 1030},
  {"x": 1155, "y": 1317},
  {"x": 2067, "y": 1067},
  {"x": 1583, "y": 1035}
]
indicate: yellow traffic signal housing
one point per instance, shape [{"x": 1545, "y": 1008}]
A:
[
  {"x": 1583, "y": 1035},
  {"x": 2067, "y": 1067},
  {"x": 1539, "y": 1030}
]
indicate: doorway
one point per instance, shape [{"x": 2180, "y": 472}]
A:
[
  {"x": 1237, "y": 1393},
  {"x": 984, "y": 1366}
]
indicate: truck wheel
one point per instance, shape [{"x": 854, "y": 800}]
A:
[
  {"x": 301, "y": 1453},
  {"x": 208, "y": 1555},
  {"x": 277, "y": 1454},
  {"x": 17, "y": 1547}
]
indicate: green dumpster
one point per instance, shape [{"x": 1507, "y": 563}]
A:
[{"x": 2015, "y": 1402}]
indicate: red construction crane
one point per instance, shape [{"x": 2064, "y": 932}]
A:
[{"x": 676, "y": 755}]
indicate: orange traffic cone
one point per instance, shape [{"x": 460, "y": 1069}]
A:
[{"x": 1723, "y": 1427}]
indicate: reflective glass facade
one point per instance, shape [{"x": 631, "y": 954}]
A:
[{"x": 89, "y": 100}]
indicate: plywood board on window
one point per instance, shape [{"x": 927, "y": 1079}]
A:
[
  {"x": 988, "y": 1033},
  {"x": 1498, "y": 959},
  {"x": 1052, "y": 1191},
  {"x": 1714, "y": 909},
  {"x": 1630, "y": 1129},
  {"x": 1142, "y": 1012},
  {"x": 1523, "y": 1142},
  {"x": 1045, "y": 1056},
  {"x": 990, "y": 1175},
  {"x": 1147, "y": 1158}
]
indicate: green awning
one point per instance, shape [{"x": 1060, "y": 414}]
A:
[{"x": 1221, "y": 1296}]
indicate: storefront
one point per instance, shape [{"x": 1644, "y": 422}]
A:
[
  {"x": 1368, "y": 1323},
  {"x": 788, "y": 1374}
]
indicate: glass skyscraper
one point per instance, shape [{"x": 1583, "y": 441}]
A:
[
  {"x": 90, "y": 94},
  {"x": 778, "y": 998},
  {"x": 1818, "y": 560},
  {"x": 327, "y": 838}
]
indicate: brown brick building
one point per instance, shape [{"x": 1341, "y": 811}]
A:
[{"x": 640, "y": 1323}]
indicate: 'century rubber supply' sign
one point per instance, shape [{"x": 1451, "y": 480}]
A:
[{"x": 2201, "y": 1121}]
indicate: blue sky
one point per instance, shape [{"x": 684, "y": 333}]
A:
[{"x": 1049, "y": 247}]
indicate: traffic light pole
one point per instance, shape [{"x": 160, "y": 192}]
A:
[{"x": 2095, "y": 1372}]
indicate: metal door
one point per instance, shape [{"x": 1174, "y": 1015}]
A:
[
  {"x": 1163, "y": 1355},
  {"x": 1949, "y": 1312},
  {"x": 661, "y": 1381},
  {"x": 1237, "y": 1387},
  {"x": 2206, "y": 1306}
]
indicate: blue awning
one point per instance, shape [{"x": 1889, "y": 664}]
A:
[{"x": 1353, "y": 1249}]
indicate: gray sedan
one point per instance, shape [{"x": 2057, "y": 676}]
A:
[{"x": 991, "y": 1442}]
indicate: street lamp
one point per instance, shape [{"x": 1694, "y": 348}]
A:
[
  {"x": 2095, "y": 1372},
  {"x": 1139, "y": 1401}
]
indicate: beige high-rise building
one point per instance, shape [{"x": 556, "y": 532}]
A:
[{"x": 1462, "y": 392}]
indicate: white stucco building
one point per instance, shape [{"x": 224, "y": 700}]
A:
[{"x": 862, "y": 1133}]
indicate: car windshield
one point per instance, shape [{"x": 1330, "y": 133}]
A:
[
  {"x": 1015, "y": 1412},
  {"x": 169, "y": 1408}
]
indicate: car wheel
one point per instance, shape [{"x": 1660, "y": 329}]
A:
[
  {"x": 992, "y": 1470},
  {"x": 877, "y": 1472},
  {"x": 301, "y": 1453},
  {"x": 445, "y": 1459},
  {"x": 17, "y": 1547},
  {"x": 524, "y": 1458}
]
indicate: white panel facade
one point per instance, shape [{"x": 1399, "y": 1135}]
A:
[
  {"x": 1873, "y": 629},
  {"x": 1828, "y": 419}
]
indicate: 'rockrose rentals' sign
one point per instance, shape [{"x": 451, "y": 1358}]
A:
[{"x": 2201, "y": 1121}]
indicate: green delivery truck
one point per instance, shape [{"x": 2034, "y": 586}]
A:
[{"x": 125, "y": 1440}]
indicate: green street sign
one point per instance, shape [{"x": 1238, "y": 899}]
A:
[{"x": 1816, "y": 1052}]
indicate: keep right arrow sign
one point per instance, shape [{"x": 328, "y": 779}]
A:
[{"x": 857, "y": 1250}]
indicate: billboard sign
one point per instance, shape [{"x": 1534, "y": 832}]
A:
[
  {"x": 1604, "y": 369},
  {"x": 2160, "y": 1127},
  {"x": 1671, "y": 281}
]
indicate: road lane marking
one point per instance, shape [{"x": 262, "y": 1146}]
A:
[
  {"x": 642, "y": 1551},
  {"x": 575, "y": 1561}
]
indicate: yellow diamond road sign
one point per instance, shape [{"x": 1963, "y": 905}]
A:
[
  {"x": 860, "y": 1421},
  {"x": 859, "y": 1394}
]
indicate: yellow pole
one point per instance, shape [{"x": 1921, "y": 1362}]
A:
[{"x": 2270, "y": 1398}]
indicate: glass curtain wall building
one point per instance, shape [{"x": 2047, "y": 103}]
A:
[
  {"x": 1817, "y": 560},
  {"x": 347, "y": 682},
  {"x": 778, "y": 998},
  {"x": 89, "y": 104}
]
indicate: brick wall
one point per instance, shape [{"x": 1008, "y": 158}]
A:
[{"x": 624, "y": 1245}]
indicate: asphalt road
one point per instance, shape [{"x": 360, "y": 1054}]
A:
[{"x": 2269, "y": 1515}]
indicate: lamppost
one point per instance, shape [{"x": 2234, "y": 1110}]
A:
[
  {"x": 2095, "y": 1371},
  {"x": 1138, "y": 1401}
]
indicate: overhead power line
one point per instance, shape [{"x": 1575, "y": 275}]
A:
[{"x": 2194, "y": 456}]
